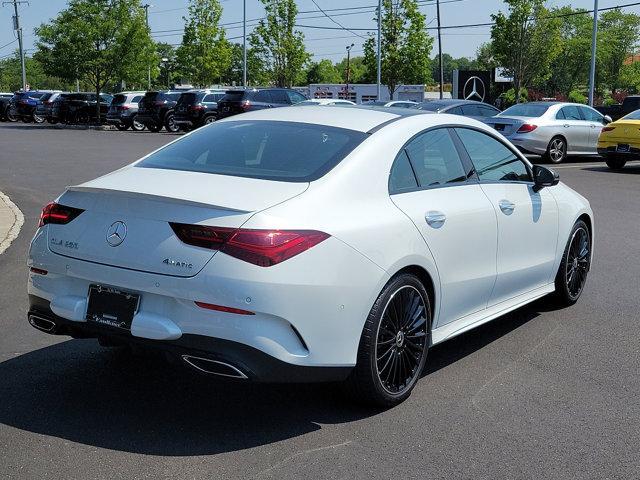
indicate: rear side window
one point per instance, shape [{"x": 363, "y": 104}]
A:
[
  {"x": 173, "y": 96},
  {"x": 136, "y": 99},
  {"x": 493, "y": 160},
  {"x": 402, "y": 179},
  {"x": 262, "y": 96},
  {"x": 435, "y": 159},
  {"x": 212, "y": 97},
  {"x": 119, "y": 99},
  {"x": 234, "y": 96},
  {"x": 270, "y": 150}
]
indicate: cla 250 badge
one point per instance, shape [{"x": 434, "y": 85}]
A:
[
  {"x": 175, "y": 263},
  {"x": 65, "y": 244}
]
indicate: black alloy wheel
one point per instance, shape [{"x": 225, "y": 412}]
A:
[
  {"x": 170, "y": 123},
  {"x": 394, "y": 344},
  {"x": 575, "y": 265}
]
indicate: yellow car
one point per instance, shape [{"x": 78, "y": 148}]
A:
[{"x": 619, "y": 141}]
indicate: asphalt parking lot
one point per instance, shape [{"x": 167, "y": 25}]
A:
[{"x": 539, "y": 393}]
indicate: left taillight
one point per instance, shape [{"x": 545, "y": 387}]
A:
[
  {"x": 264, "y": 248},
  {"x": 58, "y": 214}
]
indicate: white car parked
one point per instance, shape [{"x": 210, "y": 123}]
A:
[
  {"x": 299, "y": 245},
  {"x": 323, "y": 102}
]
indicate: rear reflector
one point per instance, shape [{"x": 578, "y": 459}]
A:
[
  {"x": 608, "y": 129},
  {"x": 260, "y": 247},
  {"x": 526, "y": 128},
  {"x": 59, "y": 214},
  {"x": 220, "y": 308},
  {"x": 38, "y": 271}
]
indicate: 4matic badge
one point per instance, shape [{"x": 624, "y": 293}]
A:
[{"x": 175, "y": 263}]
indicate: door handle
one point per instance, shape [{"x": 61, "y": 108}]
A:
[
  {"x": 435, "y": 219},
  {"x": 566, "y": 125},
  {"x": 507, "y": 207}
]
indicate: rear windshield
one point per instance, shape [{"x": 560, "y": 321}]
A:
[
  {"x": 119, "y": 99},
  {"x": 525, "y": 110},
  {"x": 233, "y": 96},
  {"x": 270, "y": 150}
]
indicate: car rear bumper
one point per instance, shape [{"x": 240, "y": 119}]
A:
[
  {"x": 208, "y": 355},
  {"x": 612, "y": 151}
]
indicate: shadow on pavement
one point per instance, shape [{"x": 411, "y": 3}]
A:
[
  {"x": 113, "y": 399},
  {"x": 628, "y": 170}
]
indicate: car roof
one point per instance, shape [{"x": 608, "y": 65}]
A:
[{"x": 356, "y": 117}]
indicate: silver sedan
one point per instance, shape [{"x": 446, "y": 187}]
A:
[{"x": 554, "y": 130}]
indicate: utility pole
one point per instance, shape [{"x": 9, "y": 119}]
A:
[
  {"x": 244, "y": 43},
  {"x": 17, "y": 28},
  {"x": 379, "y": 75},
  {"x": 146, "y": 17},
  {"x": 348, "y": 69},
  {"x": 440, "y": 50},
  {"x": 594, "y": 37}
]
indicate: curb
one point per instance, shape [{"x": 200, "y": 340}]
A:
[{"x": 18, "y": 221}]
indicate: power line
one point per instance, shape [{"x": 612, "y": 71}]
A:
[{"x": 335, "y": 21}]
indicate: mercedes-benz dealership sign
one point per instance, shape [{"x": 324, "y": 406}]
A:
[{"x": 472, "y": 85}]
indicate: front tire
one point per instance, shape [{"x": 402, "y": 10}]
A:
[
  {"x": 556, "y": 150},
  {"x": 394, "y": 344},
  {"x": 615, "y": 163},
  {"x": 574, "y": 267}
]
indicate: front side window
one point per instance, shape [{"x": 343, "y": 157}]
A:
[
  {"x": 492, "y": 159},
  {"x": 591, "y": 115},
  {"x": 295, "y": 97},
  {"x": 280, "y": 96},
  {"x": 269, "y": 150},
  {"x": 435, "y": 159}
]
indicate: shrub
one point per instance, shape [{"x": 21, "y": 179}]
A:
[{"x": 576, "y": 96}]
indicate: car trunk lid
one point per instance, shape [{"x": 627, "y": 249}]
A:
[
  {"x": 505, "y": 125},
  {"x": 137, "y": 205}
]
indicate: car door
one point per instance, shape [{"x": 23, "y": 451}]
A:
[
  {"x": 595, "y": 120},
  {"x": 262, "y": 99},
  {"x": 430, "y": 183},
  {"x": 527, "y": 220},
  {"x": 574, "y": 128}
]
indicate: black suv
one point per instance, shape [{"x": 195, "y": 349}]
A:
[
  {"x": 75, "y": 108},
  {"x": 197, "y": 108},
  {"x": 6, "y": 114},
  {"x": 240, "y": 101},
  {"x": 156, "y": 109}
]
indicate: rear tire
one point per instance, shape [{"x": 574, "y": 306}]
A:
[
  {"x": 556, "y": 150},
  {"x": 209, "y": 119},
  {"x": 615, "y": 163},
  {"x": 136, "y": 126},
  {"x": 574, "y": 266},
  {"x": 394, "y": 344},
  {"x": 170, "y": 124}
]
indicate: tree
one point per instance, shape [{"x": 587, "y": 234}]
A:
[
  {"x": 323, "y": 72},
  {"x": 98, "y": 41},
  {"x": 526, "y": 41},
  {"x": 618, "y": 36},
  {"x": 358, "y": 71},
  {"x": 571, "y": 66},
  {"x": 485, "y": 57},
  {"x": 277, "y": 45},
  {"x": 11, "y": 75},
  {"x": 205, "y": 54},
  {"x": 168, "y": 52},
  {"x": 405, "y": 45},
  {"x": 449, "y": 64}
]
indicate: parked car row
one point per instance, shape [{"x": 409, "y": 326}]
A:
[{"x": 554, "y": 130}]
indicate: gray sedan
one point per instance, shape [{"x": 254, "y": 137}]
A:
[{"x": 554, "y": 130}]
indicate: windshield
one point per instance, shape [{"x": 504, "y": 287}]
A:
[
  {"x": 525, "y": 110},
  {"x": 269, "y": 150}
]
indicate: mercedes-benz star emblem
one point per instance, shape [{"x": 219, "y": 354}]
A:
[
  {"x": 116, "y": 233},
  {"x": 474, "y": 89}
]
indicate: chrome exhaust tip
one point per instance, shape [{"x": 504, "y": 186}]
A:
[
  {"x": 42, "y": 323},
  {"x": 213, "y": 367}
]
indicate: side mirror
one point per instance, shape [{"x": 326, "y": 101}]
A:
[
  {"x": 544, "y": 177},
  {"x": 607, "y": 119}
]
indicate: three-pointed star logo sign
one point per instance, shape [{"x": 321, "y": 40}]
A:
[
  {"x": 474, "y": 89},
  {"x": 116, "y": 233}
]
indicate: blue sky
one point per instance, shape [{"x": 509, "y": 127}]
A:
[{"x": 167, "y": 15}]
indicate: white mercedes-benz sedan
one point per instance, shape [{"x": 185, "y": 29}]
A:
[{"x": 306, "y": 244}]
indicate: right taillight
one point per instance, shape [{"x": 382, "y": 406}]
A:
[
  {"x": 58, "y": 214},
  {"x": 608, "y": 129},
  {"x": 526, "y": 128},
  {"x": 245, "y": 105},
  {"x": 259, "y": 247}
]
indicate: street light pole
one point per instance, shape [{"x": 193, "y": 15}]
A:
[
  {"x": 146, "y": 17},
  {"x": 244, "y": 43},
  {"x": 378, "y": 45},
  {"x": 440, "y": 50},
  {"x": 594, "y": 38},
  {"x": 348, "y": 68},
  {"x": 17, "y": 28}
]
